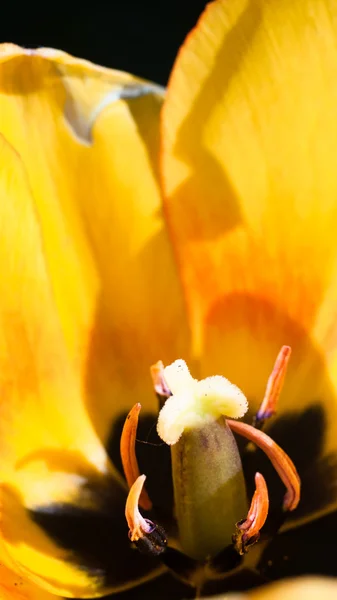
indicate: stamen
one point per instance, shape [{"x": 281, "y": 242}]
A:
[
  {"x": 138, "y": 526},
  {"x": 274, "y": 387},
  {"x": 149, "y": 537},
  {"x": 128, "y": 454},
  {"x": 248, "y": 531},
  {"x": 279, "y": 459},
  {"x": 159, "y": 383}
]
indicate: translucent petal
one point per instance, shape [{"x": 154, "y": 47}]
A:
[
  {"x": 86, "y": 272},
  {"x": 249, "y": 174}
]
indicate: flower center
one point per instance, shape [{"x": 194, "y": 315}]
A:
[{"x": 210, "y": 499}]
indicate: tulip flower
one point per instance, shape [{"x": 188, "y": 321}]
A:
[{"x": 191, "y": 232}]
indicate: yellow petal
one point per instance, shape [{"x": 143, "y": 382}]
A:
[
  {"x": 87, "y": 271},
  {"x": 99, "y": 209},
  {"x": 62, "y": 503},
  {"x": 15, "y": 587},
  {"x": 249, "y": 173},
  {"x": 306, "y": 588}
]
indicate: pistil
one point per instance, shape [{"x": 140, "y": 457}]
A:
[{"x": 209, "y": 487}]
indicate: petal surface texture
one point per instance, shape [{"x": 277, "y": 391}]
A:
[
  {"x": 306, "y": 588},
  {"x": 249, "y": 174},
  {"x": 14, "y": 587},
  {"x": 87, "y": 269},
  {"x": 301, "y": 588}
]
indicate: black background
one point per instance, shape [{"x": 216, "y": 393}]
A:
[{"x": 141, "y": 37}]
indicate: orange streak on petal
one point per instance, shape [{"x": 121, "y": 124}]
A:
[{"x": 250, "y": 187}]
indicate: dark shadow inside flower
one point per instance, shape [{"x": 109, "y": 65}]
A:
[
  {"x": 306, "y": 550},
  {"x": 203, "y": 194},
  {"x": 90, "y": 527},
  {"x": 164, "y": 587}
]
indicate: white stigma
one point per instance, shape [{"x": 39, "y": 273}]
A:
[{"x": 194, "y": 402}]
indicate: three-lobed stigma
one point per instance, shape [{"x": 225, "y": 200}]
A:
[{"x": 193, "y": 403}]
